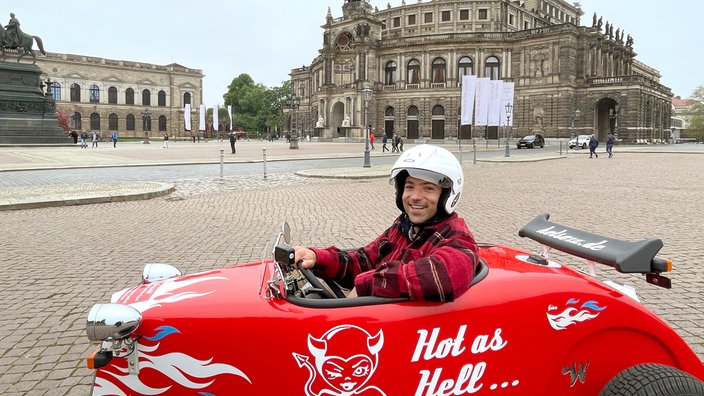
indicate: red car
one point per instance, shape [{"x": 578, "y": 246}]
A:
[{"x": 527, "y": 326}]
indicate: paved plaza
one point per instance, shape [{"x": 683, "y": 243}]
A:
[{"x": 58, "y": 261}]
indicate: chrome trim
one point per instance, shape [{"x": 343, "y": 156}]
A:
[
  {"x": 153, "y": 272},
  {"x": 112, "y": 322}
]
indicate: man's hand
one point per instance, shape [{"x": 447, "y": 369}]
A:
[{"x": 306, "y": 256}]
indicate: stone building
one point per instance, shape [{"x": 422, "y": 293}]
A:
[
  {"x": 569, "y": 79},
  {"x": 133, "y": 98}
]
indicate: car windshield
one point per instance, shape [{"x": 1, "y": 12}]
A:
[{"x": 529, "y": 137}]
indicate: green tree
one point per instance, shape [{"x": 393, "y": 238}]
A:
[
  {"x": 695, "y": 113},
  {"x": 255, "y": 107}
]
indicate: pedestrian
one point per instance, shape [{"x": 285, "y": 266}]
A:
[
  {"x": 74, "y": 135},
  {"x": 193, "y": 136},
  {"x": 593, "y": 144},
  {"x": 233, "y": 140},
  {"x": 371, "y": 139},
  {"x": 610, "y": 144},
  {"x": 166, "y": 140},
  {"x": 394, "y": 144},
  {"x": 94, "y": 139},
  {"x": 84, "y": 139},
  {"x": 400, "y": 144},
  {"x": 114, "y": 139},
  {"x": 428, "y": 253},
  {"x": 384, "y": 140}
]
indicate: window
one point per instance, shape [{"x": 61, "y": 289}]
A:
[
  {"x": 76, "y": 121},
  {"x": 94, "y": 94},
  {"x": 439, "y": 68},
  {"x": 390, "y": 73},
  {"x": 445, "y": 16},
  {"x": 112, "y": 95},
  {"x": 75, "y": 92},
  {"x": 146, "y": 98},
  {"x": 161, "y": 98},
  {"x": 389, "y": 112},
  {"x": 511, "y": 20},
  {"x": 428, "y": 17},
  {"x": 344, "y": 41},
  {"x": 129, "y": 96},
  {"x": 413, "y": 72},
  {"x": 162, "y": 123},
  {"x": 55, "y": 89},
  {"x": 397, "y": 22},
  {"x": 186, "y": 98},
  {"x": 112, "y": 122},
  {"x": 129, "y": 121},
  {"x": 95, "y": 122},
  {"x": 491, "y": 68},
  {"x": 464, "y": 15},
  {"x": 483, "y": 14},
  {"x": 465, "y": 67},
  {"x": 411, "y": 19}
]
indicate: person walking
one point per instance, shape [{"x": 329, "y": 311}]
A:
[
  {"x": 94, "y": 140},
  {"x": 593, "y": 144},
  {"x": 610, "y": 144},
  {"x": 84, "y": 140},
  {"x": 233, "y": 140},
  {"x": 166, "y": 140},
  {"x": 400, "y": 144},
  {"x": 74, "y": 136},
  {"x": 384, "y": 140},
  {"x": 114, "y": 139},
  {"x": 394, "y": 143},
  {"x": 371, "y": 139}
]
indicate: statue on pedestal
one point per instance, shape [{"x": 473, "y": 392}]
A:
[
  {"x": 12, "y": 37},
  {"x": 320, "y": 123},
  {"x": 346, "y": 121}
]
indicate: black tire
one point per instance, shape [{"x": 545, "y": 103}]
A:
[
  {"x": 653, "y": 380},
  {"x": 584, "y": 145}
]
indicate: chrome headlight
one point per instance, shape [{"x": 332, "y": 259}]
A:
[
  {"x": 112, "y": 322},
  {"x": 153, "y": 272}
]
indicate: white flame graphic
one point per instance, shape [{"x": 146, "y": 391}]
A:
[
  {"x": 164, "y": 293},
  {"x": 568, "y": 317}
]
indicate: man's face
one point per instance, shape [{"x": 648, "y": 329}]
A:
[{"x": 420, "y": 199}]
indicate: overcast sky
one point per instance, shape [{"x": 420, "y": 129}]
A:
[{"x": 267, "y": 38}]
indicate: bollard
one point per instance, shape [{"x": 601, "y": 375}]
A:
[
  {"x": 474, "y": 149},
  {"x": 222, "y": 162},
  {"x": 264, "y": 161}
]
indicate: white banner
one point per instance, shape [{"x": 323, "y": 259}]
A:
[
  {"x": 469, "y": 88},
  {"x": 481, "y": 102},
  {"x": 229, "y": 114},
  {"x": 216, "y": 121},
  {"x": 495, "y": 92},
  {"x": 507, "y": 91},
  {"x": 187, "y": 116},
  {"x": 201, "y": 120}
]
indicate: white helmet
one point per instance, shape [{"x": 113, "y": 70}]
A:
[{"x": 434, "y": 164}]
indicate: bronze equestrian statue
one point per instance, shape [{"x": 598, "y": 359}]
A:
[{"x": 12, "y": 37}]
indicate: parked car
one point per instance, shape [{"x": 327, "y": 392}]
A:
[
  {"x": 531, "y": 141},
  {"x": 527, "y": 326},
  {"x": 581, "y": 141}
]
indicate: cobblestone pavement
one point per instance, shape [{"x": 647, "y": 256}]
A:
[{"x": 58, "y": 261}]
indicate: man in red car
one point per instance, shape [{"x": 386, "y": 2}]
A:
[{"x": 428, "y": 253}]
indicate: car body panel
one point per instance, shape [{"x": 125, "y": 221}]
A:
[{"x": 524, "y": 329}]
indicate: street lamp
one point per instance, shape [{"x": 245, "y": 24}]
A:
[
  {"x": 146, "y": 124},
  {"x": 613, "y": 114},
  {"x": 574, "y": 117},
  {"x": 293, "y": 140},
  {"x": 509, "y": 111},
  {"x": 367, "y": 96}
]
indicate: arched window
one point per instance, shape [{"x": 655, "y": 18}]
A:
[
  {"x": 146, "y": 98},
  {"x": 161, "y": 98},
  {"x": 465, "y": 67},
  {"x": 129, "y": 122},
  {"x": 389, "y": 112},
  {"x": 413, "y": 111},
  {"x": 94, "y": 94},
  {"x": 75, "y": 92},
  {"x": 129, "y": 96},
  {"x": 439, "y": 68},
  {"x": 162, "y": 123},
  {"x": 186, "y": 98},
  {"x": 112, "y": 122},
  {"x": 76, "y": 121},
  {"x": 491, "y": 68},
  {"x": 390, "y": 73},
  {"x": 95, "y": 121},
  {"x": 112, "y": 95},
  {"x": 413, "y": 72},
  {"x": 55, "y": 90}
]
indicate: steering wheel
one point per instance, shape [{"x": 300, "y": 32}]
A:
[{"x": 315, "y": 282}]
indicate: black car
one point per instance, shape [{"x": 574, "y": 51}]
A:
[{"x": 531, "y": 141}]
